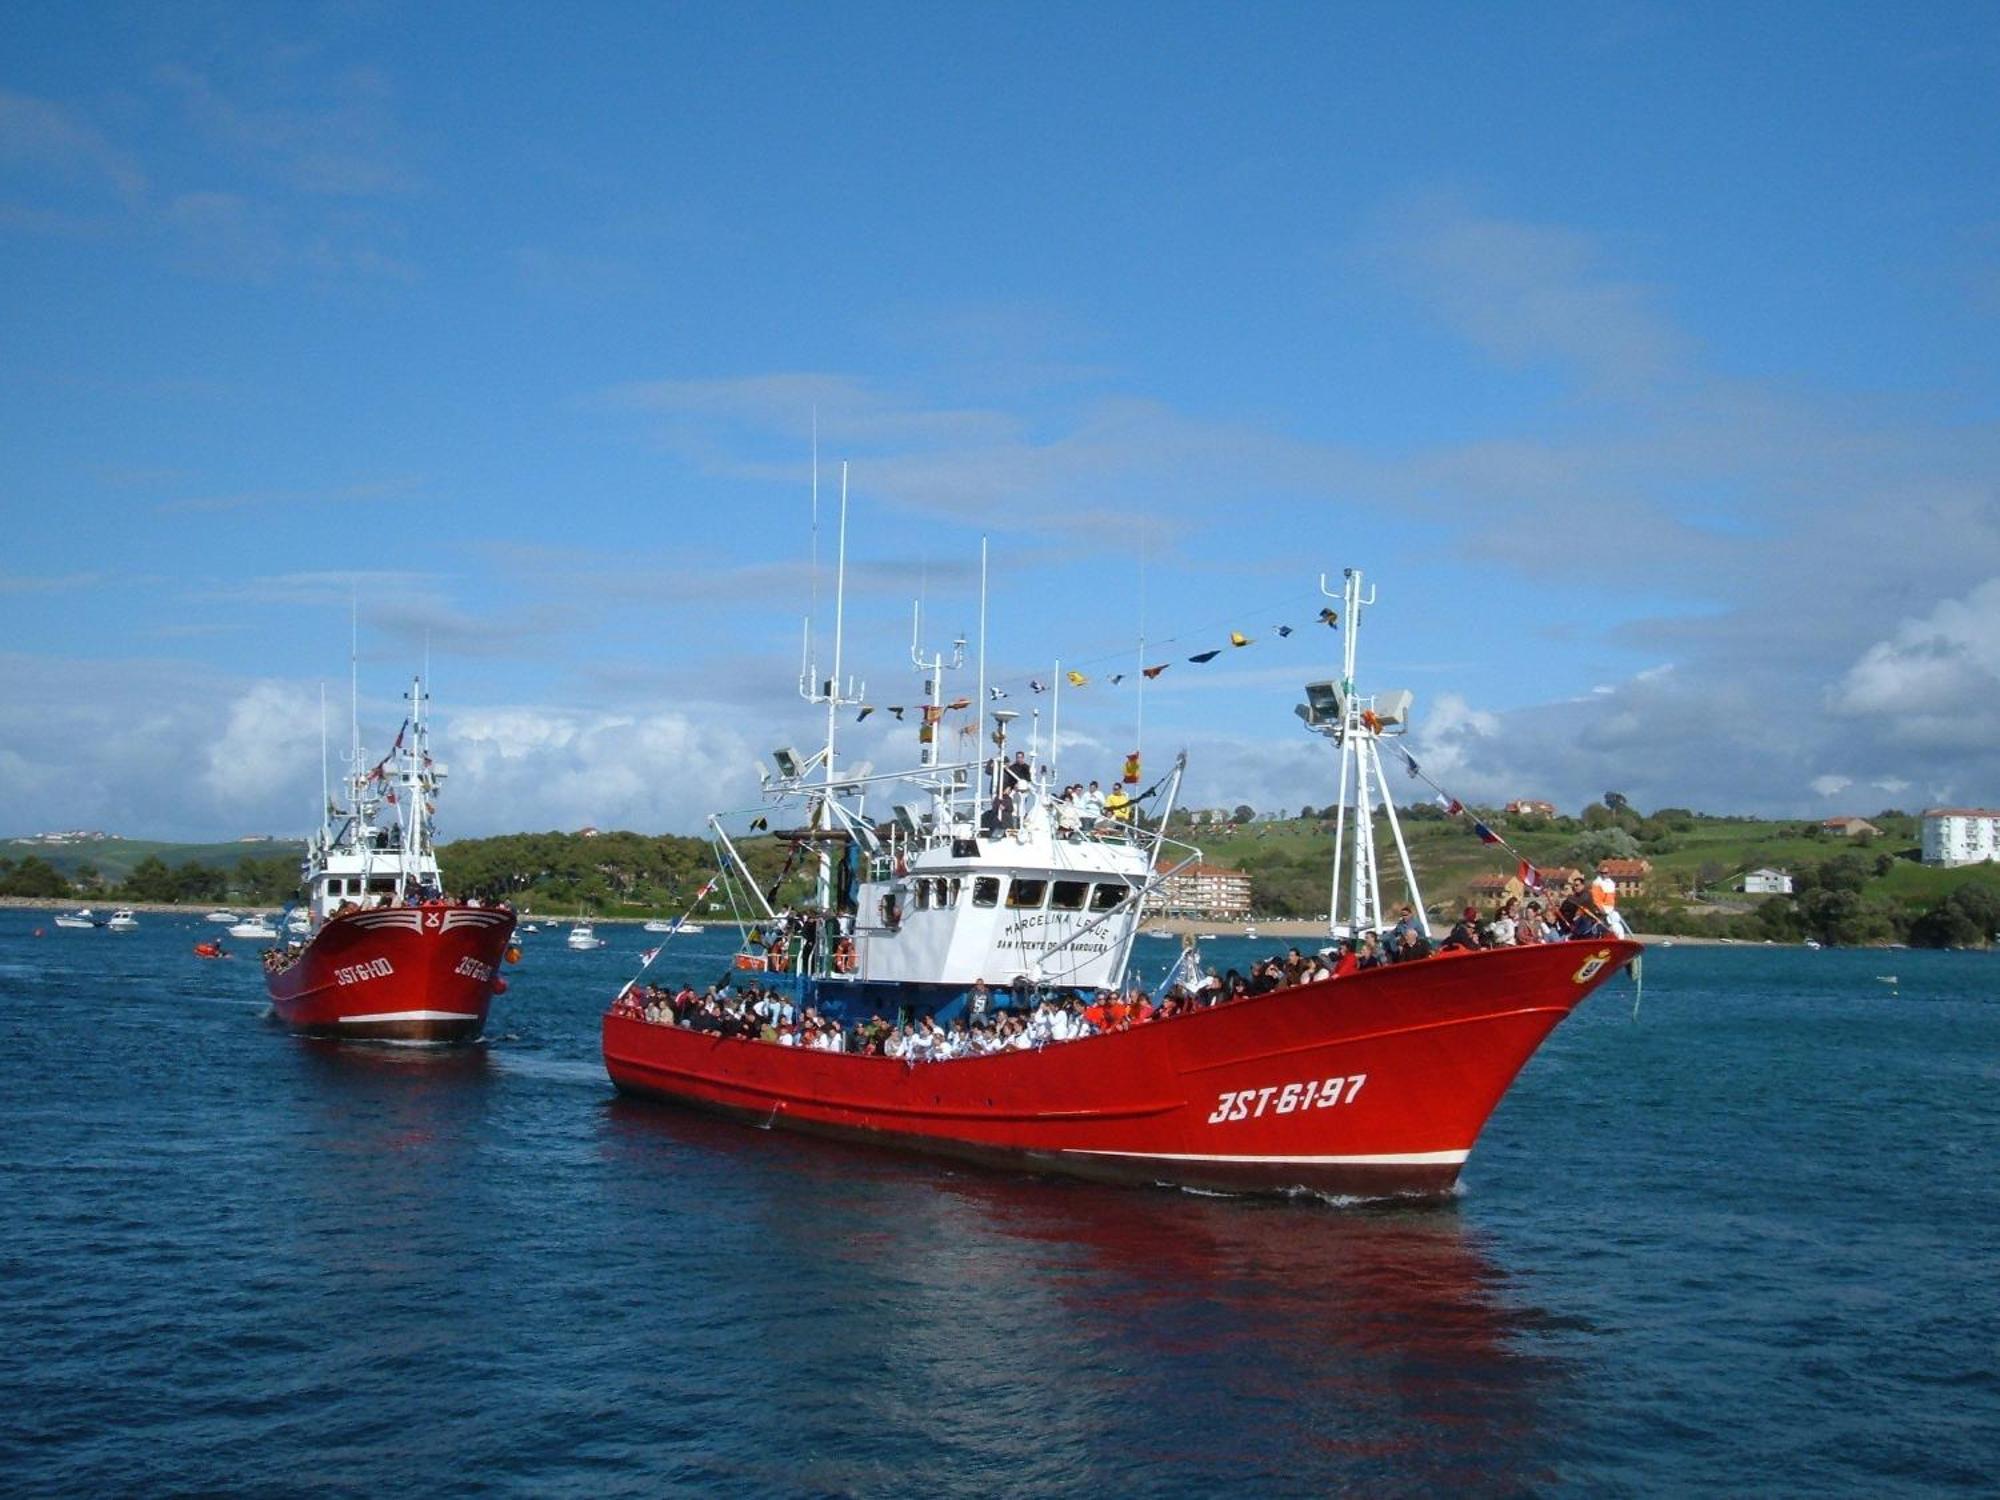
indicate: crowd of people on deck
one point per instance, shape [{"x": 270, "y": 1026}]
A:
[
  {"x": 743, "y": 1009},
  {"x": 1079, "y": 809}
]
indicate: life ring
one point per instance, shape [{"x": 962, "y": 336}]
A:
[{"x": 751, "y": 961}]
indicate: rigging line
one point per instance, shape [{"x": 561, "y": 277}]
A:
[{"x": 1186, "y": 632}]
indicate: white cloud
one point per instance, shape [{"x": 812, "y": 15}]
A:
[
  {"x": 269, "y": 737},
  {"x": 1831, "y": 786},
  {"x": 656, "y": 770}
]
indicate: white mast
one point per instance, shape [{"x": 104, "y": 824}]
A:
[
  {"x": 980, "y": 791},
  {"x": 325, "y": 777},
  {"x": 1357, "y": 724}
]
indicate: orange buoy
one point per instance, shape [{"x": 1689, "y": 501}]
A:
[{"x": 513, "y": 955}]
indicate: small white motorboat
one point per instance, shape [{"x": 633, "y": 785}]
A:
[
  {"x": 222, "y": 918},
  {"x": 84, "y": 918},
  {"x": 255, "y": 929},
  {"x": 529, "y": 927},
  {"x": 658, "y": 924},
  {"x": 122, "y": 920},
  {"x": 299, "y": 924},
  {"x": 583, "y": 936}
]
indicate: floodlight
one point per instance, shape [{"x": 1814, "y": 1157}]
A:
[
  {"x": 787, "y": 761},
  {"x": 1394, "y": 708}
]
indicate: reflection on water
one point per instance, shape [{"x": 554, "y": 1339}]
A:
[{"x": 1367, "y": 1341}]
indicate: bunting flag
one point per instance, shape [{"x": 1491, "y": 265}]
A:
[
  {"x": 932, "y": 713},
  {"x": 1116, "y": 678},
  {"x": 1530, "y": 877},
  {"x": 866, "y": 710},
  {"x": 1132, "y": 769},
  {"x": 897, "y": 710},
  {"x": 1451, "y": 805},
  {"x": 1329, "y": 618},
  {"x": 1238, "y": 638},
  {"x": 1486, "y": 835},
  {"x": 1282, "y": 630},
  {"x": 1077, "y": 679},
  {"x": 1150, "y": 673},
  {"x": 958, "y": 703},
  {"x": 757, "y": 824},
  {"x": 1368, "y": 718},
  {"x": 1205, "y": 656},
  {"x": 1035, "y": 685},
  {"x": 996, "y": 694}
]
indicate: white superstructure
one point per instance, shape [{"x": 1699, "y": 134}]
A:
[
  {"x": 1961, "y": 835},
  {"x": 986, "y": 872},
  {"x": 377, "y": 850}
]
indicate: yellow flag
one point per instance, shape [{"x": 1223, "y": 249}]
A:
[
  {"x": 1238, "y": 638},
  {"x": 1077, "y": 679}
]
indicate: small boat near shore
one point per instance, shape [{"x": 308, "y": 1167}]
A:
[
  {"x": 222, "y": 918},
  {"x": 83, "y": 918},
  {"x": 254, "y": 930},
  {"x": 583, "y": 937},
  {"x": 123, "y": 920}
]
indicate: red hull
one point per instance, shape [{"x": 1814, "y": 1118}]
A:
[
  {"x": 1371, "y": 1085},
  {"x": 397, "y": 974}
]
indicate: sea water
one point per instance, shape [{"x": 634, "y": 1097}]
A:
[{"x": 1742, "y": 1241}]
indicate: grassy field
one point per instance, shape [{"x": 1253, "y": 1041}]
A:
[{"x": 115, "y": 859}]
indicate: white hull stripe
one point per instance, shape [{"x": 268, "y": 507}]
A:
[
  {"x": 409, "y": 1015},
  {"x": 1390, "y": 1159}
]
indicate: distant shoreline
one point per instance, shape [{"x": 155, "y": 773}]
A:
[{"x": 1277, "y": 930}]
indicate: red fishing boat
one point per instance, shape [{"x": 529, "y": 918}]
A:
[
  {"x": 1373, "y": 1083},
  {"x": 389, "y": 958}
]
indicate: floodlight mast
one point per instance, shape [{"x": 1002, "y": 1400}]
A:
[
  {"x": 835, "y": 694},
  {"x": 1337, "y": 712}
]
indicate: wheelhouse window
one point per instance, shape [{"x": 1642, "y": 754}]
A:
[
  {"x": 1108, "y": 897},
  {"x": 986, "y": 890},
  {"x": 1027, "y": 893},
  {"x": 1068, "y": 895}
]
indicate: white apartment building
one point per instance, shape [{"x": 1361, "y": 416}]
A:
[
  {"x": 1766, "y": 882},
  {"x": 1961, "y": 835},
  {"x": 1204, "y": 890}
]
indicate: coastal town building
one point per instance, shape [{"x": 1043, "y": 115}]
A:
[
  {"x": 1205, "y": 890},
  {"x": 1852, "y": 828},
  {"x": 1628, "y": 876},
  {"x": 1960, "y": 835},
  {"x": 1524, "y": 808},
  {"x": 1766, "y": 882}
]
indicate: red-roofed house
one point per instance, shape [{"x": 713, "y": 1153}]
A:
[{"x": 1848, "y": 827}]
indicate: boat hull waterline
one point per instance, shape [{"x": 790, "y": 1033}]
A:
[
  {"x": 396, "y": 974},
  {"x": 1373, "y": 1085}
]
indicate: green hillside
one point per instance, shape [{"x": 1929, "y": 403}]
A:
[{"x": 1863, "y": 890}]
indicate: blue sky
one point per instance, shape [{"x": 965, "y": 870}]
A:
[{"x": 1645, "y": 357}]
